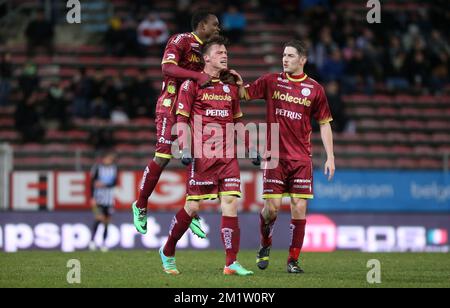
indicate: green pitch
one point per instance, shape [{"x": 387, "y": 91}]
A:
[{"x": 202, "y": 269}]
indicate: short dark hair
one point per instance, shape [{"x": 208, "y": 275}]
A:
[
  {"x": 199, "y": 17},
  {"x": 299, "y": 45},
  {"x": 215, "y": 40}
]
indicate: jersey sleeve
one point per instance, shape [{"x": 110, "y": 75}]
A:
[
  {"x": 257, "y": 89},
  {"x": 186, "y": 98},
  {"x": 175, "y": 49},
  {"x": 321, "y": 110}
]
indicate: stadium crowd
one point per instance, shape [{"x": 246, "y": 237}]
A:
[{"x": 407, "y": 53}]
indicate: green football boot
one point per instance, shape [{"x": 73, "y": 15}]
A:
[
  {"x": 139, "y": 218},
  {"x": 169, "y": 263},
  {"x": 196, "y": 227}
]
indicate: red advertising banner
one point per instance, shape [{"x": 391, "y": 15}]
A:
[{"x": 56, "y": 190}]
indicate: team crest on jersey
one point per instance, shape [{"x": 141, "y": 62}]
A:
[
  {"x": 167, "y": 102},
  {"x": 226, "y": 89},
  {"x": 306, "y": 92}
]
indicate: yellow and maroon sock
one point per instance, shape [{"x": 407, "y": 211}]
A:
[
  {"x": 297, "y": 236},
  {"x": 150, "y": 179},
  {"x": 231, "y": 238},
  {"x": 179, "y": 226}
]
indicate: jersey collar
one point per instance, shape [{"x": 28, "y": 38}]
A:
[
  {"x": 302, "y": 78},
  {"x": 197, "y": 38}
]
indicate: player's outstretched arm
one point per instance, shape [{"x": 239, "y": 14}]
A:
[
  {"x": 173, "y": 70},
  {"x": 327, "y": 139}
]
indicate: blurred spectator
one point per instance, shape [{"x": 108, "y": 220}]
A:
[
  {"x": 121, "y": 38},
  {"x": 395, "y": 66},
  {"x": 183, "y": 16},
  {"x": 306, "y": 5},
  {"x": 118, "y": 116},
  {"x": 56, "y": 107},
  {"x": 358, "y": 74},
  {"x": 152, "y": 32},
  {"x": 29, "y": 80},
  {"x": 272, "y": 10},
  {"x": 233, "y": 24},
  {"x": 337, "y": 106},
  {"x": 101, "y": 138},
  {"x": 418, "y": 71},
  {"x": 6, "y": 72},
  {"x": 27, "y": 118},
  {"x": 142, "y": 6},
  {"x": 39, "y": 33},
  {"x": 142, "y": 97},
  {"x": 440, "y": 73},
  {"x": 334, "y": 67},
  {"x": 81, "y": 88}
]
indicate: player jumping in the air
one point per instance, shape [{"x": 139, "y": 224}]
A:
[
  {"x": 215, "y": 174},
  {"x": 182, "y": 60},
  {"x": 292, "y": 99}
]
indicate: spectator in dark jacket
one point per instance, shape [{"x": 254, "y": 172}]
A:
[{"x": 39, "y": 33}]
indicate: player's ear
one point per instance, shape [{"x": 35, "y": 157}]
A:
[{"x": 303, "y": 60}]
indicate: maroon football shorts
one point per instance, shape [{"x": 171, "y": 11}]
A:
[
  {"x": 290, "y": 179},
  {"x": 210, "y": 178}
]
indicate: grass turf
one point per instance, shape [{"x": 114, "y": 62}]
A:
[{"x": 203, "y": 269}]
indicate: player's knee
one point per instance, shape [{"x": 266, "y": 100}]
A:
[
  {"x": 162, "y": 162},
  {"x": 229, "y": 206},
  {"x": 272, "y": 208},
  {"x": 299, "y": 205},
  {"x": 192, "y": 207}
]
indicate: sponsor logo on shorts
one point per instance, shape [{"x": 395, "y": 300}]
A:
[
  {"x": 302, "y": 186},
  {"x": 301, "y": 181},
  {"x": 232, "y": 180},
  {"x": 271, "y": 181},
  {"x": 197, "y": 183},
  {"x": 163, "y": 140},
  {"x": 232, "y": 185}
]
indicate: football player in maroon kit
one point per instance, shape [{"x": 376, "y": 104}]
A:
[
  {"x": 182, "y": 60},
  {"x": 292, "y": 99},
  {"x": 213, "y": 172}
]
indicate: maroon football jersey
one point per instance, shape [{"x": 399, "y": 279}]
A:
[
  {"x": 217, "y": 105},
  {"x": 183, "y": 50},
  {"x": 291, "y": 103}
]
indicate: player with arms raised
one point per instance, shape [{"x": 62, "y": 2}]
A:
[
  {"x": 292, "y": 99},
  {"x": 182, "y": 60},
  {"x": 212, "y": 173}
]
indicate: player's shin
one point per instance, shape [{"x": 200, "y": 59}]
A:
[
  {"x": 179, "y": 226},
  {"x": 150, "y": 179},
  {"x": 266, "y": 228},
  {"x": 230, "y": 234},
  {"x": 297, "y": 229}
]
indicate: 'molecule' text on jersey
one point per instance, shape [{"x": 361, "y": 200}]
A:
[
  {"x": 211, "y": 111},
  {"x": 291, "y": 103}
]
